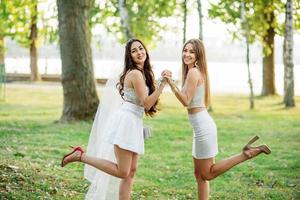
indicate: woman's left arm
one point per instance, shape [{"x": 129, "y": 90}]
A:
[{"x": 185, "y": 96}]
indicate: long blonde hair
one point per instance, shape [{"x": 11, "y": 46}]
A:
[{"x": 201, "y": 64}]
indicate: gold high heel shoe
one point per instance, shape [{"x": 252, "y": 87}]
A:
[{"x": 255, "y": 150}]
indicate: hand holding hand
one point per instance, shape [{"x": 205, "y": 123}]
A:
[
  {"x": 167, "y": 75},
  {"x": 166, "y": 72}
]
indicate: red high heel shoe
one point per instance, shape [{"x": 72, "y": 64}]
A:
[
  {"x": 262, "y": 148},
  {"x": 74, "y": 150}
]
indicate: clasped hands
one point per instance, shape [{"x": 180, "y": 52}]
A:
[{"x": 167, "y": 77}]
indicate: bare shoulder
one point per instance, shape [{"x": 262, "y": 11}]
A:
[
  {"x": 193, "y": 73},
  {"x": 131, "y": 77},
  {"x": 194, "y": 70},
  {"x": 135, "y": 73}
]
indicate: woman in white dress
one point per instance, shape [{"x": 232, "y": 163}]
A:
[
  {"x": 124, "y": 129},
  {"x": 195, "y": 96}
]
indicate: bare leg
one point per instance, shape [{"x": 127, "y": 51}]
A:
[
  {"x": 121, "y": 169},
  {"x": 210, "y": 170},
  {"x": 206, "y": 169},
  {"x": 126, "y": 183},
  {"x": 202, "y": 185}
]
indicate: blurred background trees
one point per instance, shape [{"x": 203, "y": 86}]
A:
[
  {"x": 34, "y": 22},
  {"x": 263, "y": 25}
]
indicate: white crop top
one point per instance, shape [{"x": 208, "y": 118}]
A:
[
  {"x": 130, "y": 95},
  {"x": 198, "y": 99}
]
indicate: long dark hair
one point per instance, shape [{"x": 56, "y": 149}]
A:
[{"x": 129, "y": 65}]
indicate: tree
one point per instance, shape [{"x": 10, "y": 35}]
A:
[
  {"x": 2, "y": 50},
  {"x": 80, "y": 96},
  {"x": 262, "y": 24},
  {"x": 268, "y": 87},
  {"x": 199, "y": 7},
  {"x": 288, "y": 56},
  {"x": 35, "y": 34},
  {"x": 35, "y": 76},
  {"x": 13, "y": 19},
  {"x": 246, "y": 35},
  {"x": 18, "y": 28},
  {"x": 124, "y": 19},
  {"x": 15, "y": 16},
  {"x": 142, "y": 20},
  {"x": 184, "y": 8}
]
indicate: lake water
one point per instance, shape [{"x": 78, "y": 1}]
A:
[{"x": 224, "y": 77}]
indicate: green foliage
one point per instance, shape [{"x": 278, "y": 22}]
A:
[
  {"x": 48, "y": 23},
  {"x": 15, "y": 20},
  {"x": 297, "y": 14},
  {"x": 258, "y": 15},
  {"x": 143, "y": 18},
  {"x": 32, "y": 146}
]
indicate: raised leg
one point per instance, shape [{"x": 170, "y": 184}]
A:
[
  {"x": 210, "y": 170},
  {"x": 120, "y": 169}
]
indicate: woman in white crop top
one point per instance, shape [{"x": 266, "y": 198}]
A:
[
  {"x": 195, "y": 95},
  {"x": 123, "y": 132}
]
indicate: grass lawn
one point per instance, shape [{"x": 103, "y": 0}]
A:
[{"x": 32, "y": 144}]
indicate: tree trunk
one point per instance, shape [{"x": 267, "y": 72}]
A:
[
  {"x": 246, "y": 34},
  {"x": 124, "y": 19},
  {"x": 2, "y": 69},
  {"x": 200, "y": 20},
  {"x": 2, "y": 50},
  {"x": 33, "y": 50},
  {"x": 288, "y": 57},
  {"x": 80, "y": 96},
  {"x": 268, "y": 87},
  {"x": 251, "y": 98},
  {"x": 184, "y": 20}
]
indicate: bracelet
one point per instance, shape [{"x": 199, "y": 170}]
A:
[
  {"x": 174, "y": 88},
  {"x": 160, "y": 81}
]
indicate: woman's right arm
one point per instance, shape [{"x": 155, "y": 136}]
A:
[{"x": 139, "y": 86}]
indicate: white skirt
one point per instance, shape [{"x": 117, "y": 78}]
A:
[
  {"x": 205, "y": 140},
  {"x": 125, "y": 128}
]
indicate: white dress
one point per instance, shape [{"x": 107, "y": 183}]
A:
[
  {"x": 123, "y": 127},
  {"x": 205, "y": 138}
]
